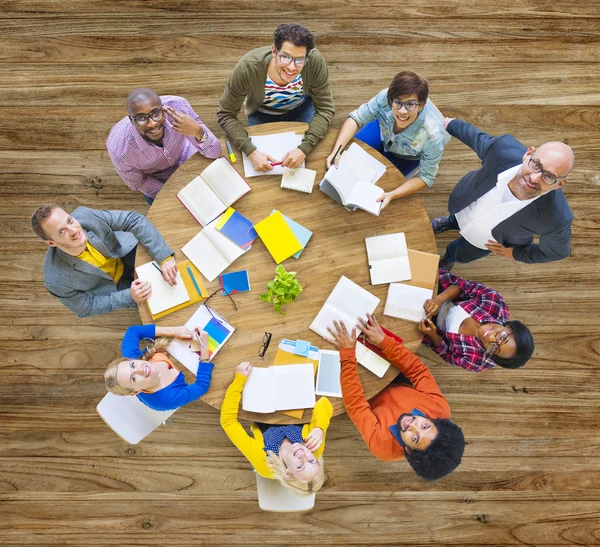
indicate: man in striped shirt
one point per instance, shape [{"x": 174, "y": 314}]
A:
[{"x": 158, "y": 135}]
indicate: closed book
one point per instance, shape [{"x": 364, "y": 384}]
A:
[{"x": 278, "y": 237}]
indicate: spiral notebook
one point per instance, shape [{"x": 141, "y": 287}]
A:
[{"x": 299, "y": 179}]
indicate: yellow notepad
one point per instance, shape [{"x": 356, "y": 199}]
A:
[{"x": 278, "y": 237}]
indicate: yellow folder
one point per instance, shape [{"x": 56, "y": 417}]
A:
[
  {"x": 278, "y": 237},
  {"x": 189, "y": 285}
]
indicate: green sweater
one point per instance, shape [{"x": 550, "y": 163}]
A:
[{"x": 248, "y": 82}]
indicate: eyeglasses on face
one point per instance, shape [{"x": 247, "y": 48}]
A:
[
  {"x": 265, "y": 345},
  {"x": 142, "y": 119},
  {"x": 287, "y": 59},
  {"x": 409, "y": 105},
  {"x": 547, "y": 177},
  {"x": 501, "y": 337}
]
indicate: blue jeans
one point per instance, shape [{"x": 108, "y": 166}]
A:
[
  {"x": 371, "y": 135},
  {"x": 303, "y": 113},
  {"x": 460, "y": 250},
  {"x": 148, "y": 199}
]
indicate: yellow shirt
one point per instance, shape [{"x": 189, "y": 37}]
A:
[{"x": 112, "y": 266}]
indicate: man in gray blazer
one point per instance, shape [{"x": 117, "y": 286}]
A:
[
  {"x": 90, "y": 260},
  {"x": 515, "y": 195}
]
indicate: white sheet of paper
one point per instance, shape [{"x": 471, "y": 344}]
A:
[
  {"x": 364, "y": 195},
  {"x": 295, "y": 386},
  {"x": 276, "y": 146},
  {"x": 225, "y": 181},
  {"x": 328, "y": 374},
  {"x": 406, "y": 302},
  {"x": 371, "y": 361},
  {"x": 364, "y": 164},
  {"x": 163, "y": 295},
  {"x": 388, "y": 258},
  {"x": 259, "y": 391},
  {"x": 201, "y": 201}
]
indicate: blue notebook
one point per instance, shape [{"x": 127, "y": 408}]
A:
[
  {"x": 236, "y": 227},
  {"x": 302, "y": 234},
  {"x": 234, "y": 282}
]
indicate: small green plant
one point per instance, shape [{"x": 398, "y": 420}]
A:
[{"x": 284, "y": 289}]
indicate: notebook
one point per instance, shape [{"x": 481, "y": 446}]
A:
[
  {"x": 278, "y": 237},
  {"x": 328, "y": 374},
  {"x": 215, "y": 189},
  {"x": 236, "y": 227},
  {"x": 406, "y": 302},
  {"x": 234, "y": 282},
  {"x": 299, "y": 179},
  {"x": 347, "y": 302},
  {"x": 218, "y": 329},
  {"x": 370, "y": 360},
  {"x": 212, "y": 252},
  {"x": 302, "y": 234},
  {"x": 282, "y": 387},
  {"x": 388, "y": 258},
  {"x": 164, "y": 296},
  {"x": 276, "y": 146},
  {"x": 424, "y": 269}
]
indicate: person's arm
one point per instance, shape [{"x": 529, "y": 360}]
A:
[
  {"x": 346, "y": 133},
  {"x": 320, "y": 93},
  {"x": 191, "y": 392},
  {"x": 554, "y": 245},
  {"x": 85, "y": 304},
  {"x": 130, "y": 346},
  {"x": 134, "y": 178},
  {"x": 322, "y": 413},
  {"x": 479, "y": 141},
  {"x": 408, "y": 188},
  {"x": 251, "y": 448}
]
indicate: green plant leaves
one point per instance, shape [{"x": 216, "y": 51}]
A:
[{"x": 284, "y": 289}]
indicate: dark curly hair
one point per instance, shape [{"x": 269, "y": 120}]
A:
[
  {"x": 295, "y": 33},
  {"x": 443, "y": 454},
  {"x": 525, "y": 346}
]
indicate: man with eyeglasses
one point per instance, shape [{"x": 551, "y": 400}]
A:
[
  {"x": 285, "y": 82},
  {"x": 513, "y": 197},
  {"x": 158, "y": 135}
]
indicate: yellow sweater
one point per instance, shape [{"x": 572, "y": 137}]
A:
[{"x": 253, "y": 446}]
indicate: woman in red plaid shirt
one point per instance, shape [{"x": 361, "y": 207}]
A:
[{"x": 467, "y": 325}]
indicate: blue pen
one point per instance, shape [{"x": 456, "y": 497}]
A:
[{"x": 194, "y": 280}]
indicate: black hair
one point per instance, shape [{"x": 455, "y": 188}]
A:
[
  {"x": 295, "y": 33},
  {"x": 442, "y": 456},
  {"x": 407, "y": 83},
  {"x": 525, "y": 346}
]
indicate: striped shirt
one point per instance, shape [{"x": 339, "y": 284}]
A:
[
  {"x": 145, "y": 166},
  {"x": 282, "y": 98}
]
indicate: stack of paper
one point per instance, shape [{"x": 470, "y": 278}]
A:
[
  {"x": 388, "y": 258},
  {"x": 278, "y": 237},
  {"x": 302, "y": 234},
  {"x": 276, "y": 146},
  {"x": 164, "y": 296}
]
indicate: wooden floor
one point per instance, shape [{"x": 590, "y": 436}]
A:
[{"x": 531, "y": 471}]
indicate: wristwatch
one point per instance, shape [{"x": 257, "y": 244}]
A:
[{"x": 204, "y": 137}]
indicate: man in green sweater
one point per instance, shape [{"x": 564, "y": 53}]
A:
[{"x": 285, "y": 82}]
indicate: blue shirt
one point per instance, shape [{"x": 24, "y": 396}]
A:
[
  {"x": 422, "y": 140},
  {"x": 178, "y": 393}
]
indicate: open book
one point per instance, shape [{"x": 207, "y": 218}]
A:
[
  {"x": 406, "y": 302},
  {"x": 388, "y": 258},
  {"x": 163, "y": 295},
  {"x": 215, "y": 189},
  {"x": 352, "y": 183},
  {"x": 370, "y": 360},
  {"x": 346, "y": 303},
  {"x": 283, "y": 387},
  {"x": 212, "y": 252}
]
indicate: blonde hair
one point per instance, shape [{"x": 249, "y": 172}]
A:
[
  {"x": 110, "y": 374},
  {"x": 296, "y": 486}
]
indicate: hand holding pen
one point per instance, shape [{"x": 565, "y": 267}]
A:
[{"x": 201, "y": 337}]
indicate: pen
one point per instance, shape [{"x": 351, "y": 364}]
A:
[
  {"x": 156, "y": 266},
  {"x": 199, "y": 339},
  {"x": 193, "y": 280},
  {"x": 336, "y": 153},
  {"x": 277, "y": 163},
  {"x": 230, "y": 151}
]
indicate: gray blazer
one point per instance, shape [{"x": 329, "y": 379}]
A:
[{"x": 87, "y": 290}]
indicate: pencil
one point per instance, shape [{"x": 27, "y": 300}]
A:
[
  {"x": 194, "y": 280},
  {"x": 157, "y": 267}
]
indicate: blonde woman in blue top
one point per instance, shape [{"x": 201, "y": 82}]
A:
[
  {"x": 400, "y": 123},
  {"x": 150, "y": 375}
]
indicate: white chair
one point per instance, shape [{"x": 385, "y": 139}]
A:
[
  {"x": 272, "y": 496},
  {"x": 129, "y": 418}
]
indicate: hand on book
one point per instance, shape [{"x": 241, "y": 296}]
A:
[
  {"x": 341, "y": 337},
  {"x": 169, "y": 271},
  {"x": 371, "y": 329},
  {"x": 261, "y": 161},
  {"x": 244, "y": 368},
  {"x": 386, "y": 197},
  {"x": 293, "y": 158},
  {"x": 314, "y": 439},
  {"x": 140, "y": 291}
]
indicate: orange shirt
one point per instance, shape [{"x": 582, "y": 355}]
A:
[{"x": 373, "y": 419}]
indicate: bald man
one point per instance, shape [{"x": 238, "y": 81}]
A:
[
  {"x": 515, "y": 196},
  {"x": 155, "y": 138}
]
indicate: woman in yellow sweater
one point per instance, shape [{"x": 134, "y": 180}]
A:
[{"x": 292, "y": 454}]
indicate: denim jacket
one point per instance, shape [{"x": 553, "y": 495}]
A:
[{"x": 422, "y": 140}]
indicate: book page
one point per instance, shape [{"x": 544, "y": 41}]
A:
[
  {"x": 205, "y": 256},
  {"x": 342, "y": 179},
  {"x": 294, "y": 386},
  {"x": 365, "y": 165},
  {"x": 225, "y": 181},
  {"x": 390, "y": 270},
  {"x": 371, "y": 361},
  {"x": 352, "y": 300},
  {"x": 328, "y": 374},
  {"x": 259, "y": 391},
  {"x": 163, "y": 296},
  {"x": 201, "y": 201},
  {"x": 325, "y": 319},
  {"x": 406, "y": 302},
  {"x": 276, "y": 145},
  {"x": 386, "y": 246},
  {"x": 228, "y": 249},
  {"x": 364, "y": 195}
]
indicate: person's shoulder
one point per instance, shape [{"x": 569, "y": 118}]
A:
[
  {"x": 433, "y": 125},
  {"x": 555, "y": 205}
]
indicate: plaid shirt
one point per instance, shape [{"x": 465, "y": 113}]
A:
[
  {"x": 146, "y": 167},
  {"x": 484, "y": 305}
]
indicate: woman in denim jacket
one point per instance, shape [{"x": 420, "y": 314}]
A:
[{"x": 400, "y": 123}]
